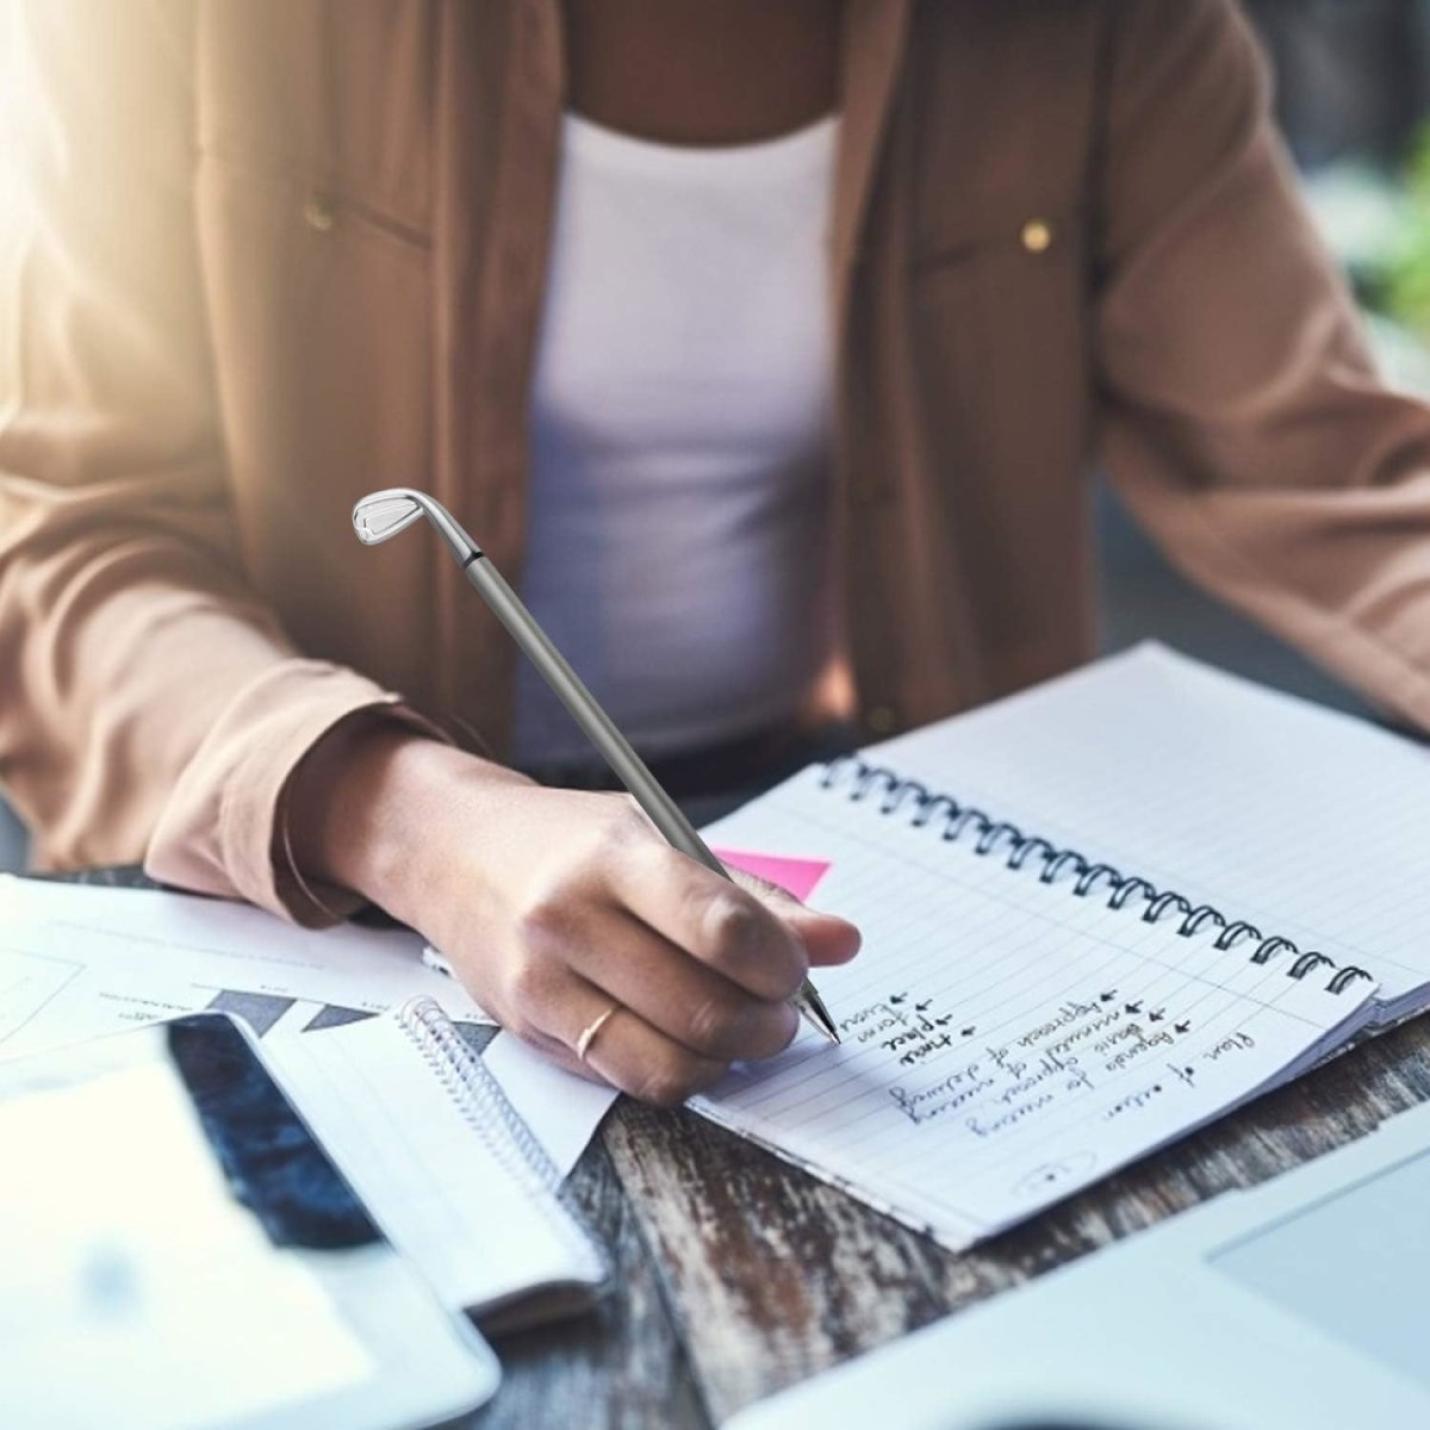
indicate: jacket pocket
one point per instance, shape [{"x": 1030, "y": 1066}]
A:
[
  {"x": 321, "y": 204},
  {"x": 1046, "y": 235}
]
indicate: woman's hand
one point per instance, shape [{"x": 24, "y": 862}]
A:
[{"x": 555, "y": 906}]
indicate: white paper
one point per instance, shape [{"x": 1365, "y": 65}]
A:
[
  {"x": 76, "y": 962},
  {"x": 1308, "y": 823},
  {"x": 441, "y": 1172},
  {"x": 562, "y": 1110},
  {"x": 1004, "y": 1042}
]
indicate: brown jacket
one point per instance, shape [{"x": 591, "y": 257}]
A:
[{"x": 277, "y": 253}]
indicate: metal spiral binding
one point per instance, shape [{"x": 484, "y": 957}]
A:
[
  {"x": 953, "y": 819},
  {"x": 474, "y": 1092}
]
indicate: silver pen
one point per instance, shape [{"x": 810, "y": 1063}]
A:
[{"x": 383, "y": 514}]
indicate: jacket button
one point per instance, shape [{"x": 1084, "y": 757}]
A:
[
  {"x": 882, "y": 719},
  {"x": 318, "y": 212},
  {"x": 1037, "y": 235}
]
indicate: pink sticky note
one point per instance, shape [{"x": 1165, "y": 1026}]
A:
[{"x": 795, "y": 876}]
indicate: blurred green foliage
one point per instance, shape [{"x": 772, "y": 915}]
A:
[{"x": 1404, "y": 290}]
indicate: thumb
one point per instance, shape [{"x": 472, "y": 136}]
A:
[{"x": 827, "y": 938}]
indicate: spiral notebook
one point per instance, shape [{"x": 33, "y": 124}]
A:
[
  {"x": 1096, "y": 916},
  {"x": 425, "y": 1134}
]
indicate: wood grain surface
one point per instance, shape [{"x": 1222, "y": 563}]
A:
[
  {"x": 737, "y": 1276},
  {"x": 742, "y": 1276}
]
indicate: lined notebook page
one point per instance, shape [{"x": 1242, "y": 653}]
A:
[
  {"x": 1005, "y": 1042},
  {"x": 1311, "y": 824},
  {"x": 458, "y": 1199}
]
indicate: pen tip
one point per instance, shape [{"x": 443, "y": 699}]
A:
[{"x": 819, "y": 1014}]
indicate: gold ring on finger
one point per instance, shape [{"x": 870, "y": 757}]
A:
[{"x": 588, "y": 1034}]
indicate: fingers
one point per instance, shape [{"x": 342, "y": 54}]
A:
[
  {"x": 682, "y": 997},
  {"x": 592, "y": 910},
  {"x": 715, "y": 921},
  {"x": 626, "y": 1052},
  {"x": 750, "y": 931},
  {"x": 827, "y": 938}
]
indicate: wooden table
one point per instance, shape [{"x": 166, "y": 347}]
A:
[{"x": 737, "y": 1276}]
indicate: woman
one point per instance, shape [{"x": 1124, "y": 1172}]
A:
[{"x": 768, "y": 346}]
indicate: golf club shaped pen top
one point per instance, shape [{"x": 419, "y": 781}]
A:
[{"x": 383, "y": 514}]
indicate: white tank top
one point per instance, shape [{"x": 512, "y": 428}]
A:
[{"x": 679, "y": 496}]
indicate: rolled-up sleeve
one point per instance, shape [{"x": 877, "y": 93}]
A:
[{"x": 151, "y": 706}]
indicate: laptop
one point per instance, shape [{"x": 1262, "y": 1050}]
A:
[{"x": 1302, "y": 1303}]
